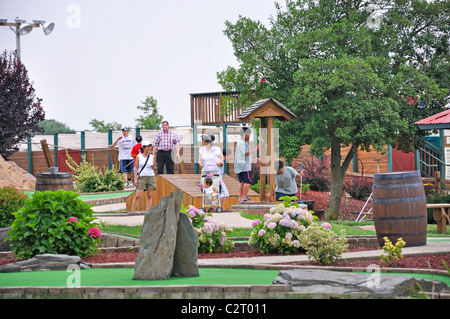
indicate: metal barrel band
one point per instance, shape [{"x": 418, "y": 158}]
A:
[
  {"x": 395, "y": 186},
  {"x": 398, "y": 200},
  {"x": 406, "y": 217}
]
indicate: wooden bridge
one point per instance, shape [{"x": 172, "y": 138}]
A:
[{"x": 190, "y": 185}]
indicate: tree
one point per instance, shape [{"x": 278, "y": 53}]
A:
[
  {"x": 151, "y": 120},
  {"x": 348, "y": 75},
  {"x": 53, "y": 126},
  {"x": 20, "y": 109},
  {"x": 102, "y": 127}
]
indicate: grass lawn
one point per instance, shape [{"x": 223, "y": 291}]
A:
[{"x": 350, "y": 227}]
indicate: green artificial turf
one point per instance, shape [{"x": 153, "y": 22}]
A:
[
  {"x": 123, "y": 277},
  {"x": 94, "y": 196}
]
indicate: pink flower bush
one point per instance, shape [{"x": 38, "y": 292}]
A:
[
  {"x": 212, "y": 236},
  {"x": 256, "y": 222},
  {"x": 72, "y": 219},
  {"x": 95, "y": 232},
  {"x": 325, "y": 225}
]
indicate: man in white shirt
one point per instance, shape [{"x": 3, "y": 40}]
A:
[
  {"x": 243, "y": 163},
  {"x": 126, "y": 165}
]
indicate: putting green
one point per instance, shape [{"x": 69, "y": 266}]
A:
[
  {"x": 123, "y": 277},
  {"x": 94, "y": 196}
]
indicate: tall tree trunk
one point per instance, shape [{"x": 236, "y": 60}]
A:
[{"x": 337, "y": 178}]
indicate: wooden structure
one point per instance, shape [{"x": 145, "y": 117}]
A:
[
  {"x": 218, "y": 109},
  {"x": 439, "y": 121},
  {"x": 400, "y": 208},
  {"x": 190, "y": 185},
  {"x": 441, "y": 215},
  {"x": 267, "y": 110}
]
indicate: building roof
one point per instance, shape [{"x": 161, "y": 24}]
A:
[
  {"x": 437, "y": 121},
  {"x": 267, "y": 108}
]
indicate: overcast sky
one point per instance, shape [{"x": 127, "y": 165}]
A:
[{"x": 104, "y": 57}]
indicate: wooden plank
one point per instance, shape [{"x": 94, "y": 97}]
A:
[{"x": 47, "y": 154}]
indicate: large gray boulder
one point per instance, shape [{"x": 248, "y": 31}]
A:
[
  {"x": 336, "y": 283},
  {"x": 45, "y": 262},
  {"x": 159, "y": 239},
  {"x": 185, "y": 261}
]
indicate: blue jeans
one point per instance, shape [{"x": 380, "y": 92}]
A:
[{"x": 278, "y": 194}]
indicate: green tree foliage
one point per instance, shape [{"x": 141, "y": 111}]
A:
[
  {"x": 357, "y": 74},
  {"x": 151, "y": 120},
  {"x": 53, "y": 126},
  {"x": 102, "y": 127}
]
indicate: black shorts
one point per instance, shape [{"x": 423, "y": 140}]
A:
[{"x": 245, "y": 177}]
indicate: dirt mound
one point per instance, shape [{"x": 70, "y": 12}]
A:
[{"x": 13, "y": 175}]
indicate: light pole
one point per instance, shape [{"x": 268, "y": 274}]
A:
[{"x": 21, "y": 27}]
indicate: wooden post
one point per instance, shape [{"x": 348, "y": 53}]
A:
[
  {"x": 113, "y": 157},
  {"x": 271, "y": 154},
  {"x": 48, "y": 156},
  {"x": 437, "y": 181},
  {"x": 181, "y": 169},
  {"x": 263, "y": 159}
]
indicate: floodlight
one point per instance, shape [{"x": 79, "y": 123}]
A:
[
  {"x": 25, "y": 29},
  {"x": 48, "y": 27}
]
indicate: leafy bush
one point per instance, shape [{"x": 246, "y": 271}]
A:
[
  {"x": 316, "y": 174},
  {"x": 321, "y": 244},
  {"x": 281, "y": 228},
  {"x": 359, "y": 187},
  {"x": 89, "y": 179},
  {"x": 212, "y": 237},
  {"x": 55, "y": 223},
  {"x": 392, "y": 253},
  {"x": 256, "y": 187},
  {"x": 11, "y": 200}
]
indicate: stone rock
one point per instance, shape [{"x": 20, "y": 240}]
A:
[
  {"x": 158, "y": 240},
  {"x": 4, "y": 245},
  {"x": 338, "y": 284},
  {"x": 185, "y": 262},
  {"x": 45, "y": 262}
]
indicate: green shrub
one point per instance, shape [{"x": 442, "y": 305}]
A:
[
  {"x": 11, "y": 200},
  {"x": 55, "y": 223},
  {"x": 391, "y": 254},
  {"x": 89, "y": 179},
  {"x": 321, "y": 244}
]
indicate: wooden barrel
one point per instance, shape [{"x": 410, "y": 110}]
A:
[
  {"x": 52, "y": 182},
  {"x": 400, "y": 208}
]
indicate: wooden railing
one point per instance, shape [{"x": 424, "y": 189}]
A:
[{"x": 215, "y": 108}]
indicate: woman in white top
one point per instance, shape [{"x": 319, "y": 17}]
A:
[
  {"x": 210, "y": 156},
  {"x": 144, "y": 175}
]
